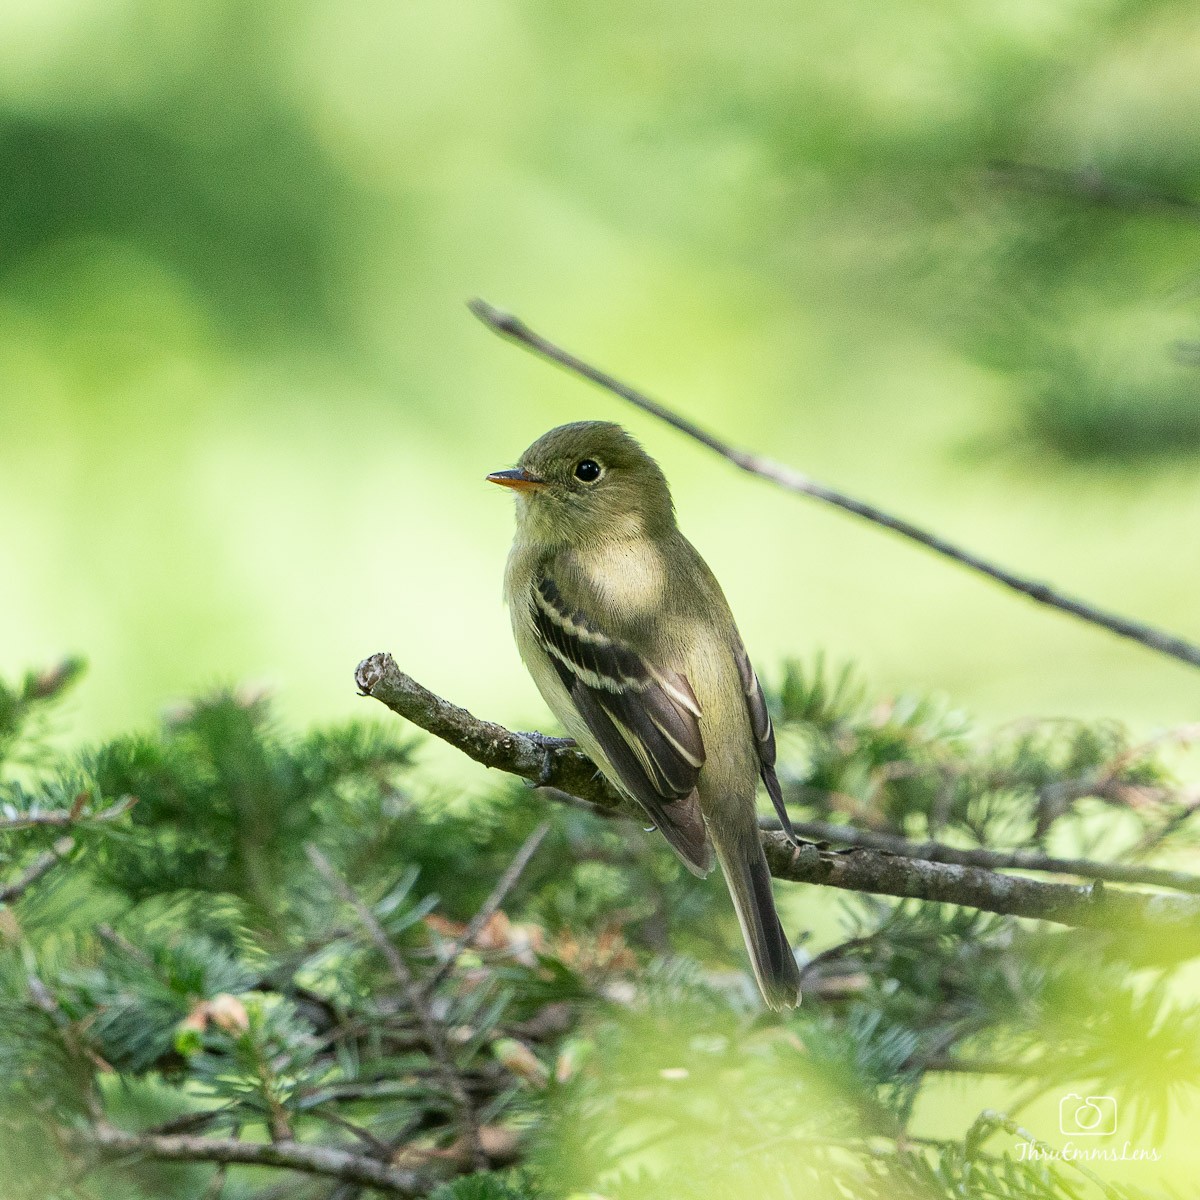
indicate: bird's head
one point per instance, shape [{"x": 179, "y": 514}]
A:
[{"x": 588, "y": 481}]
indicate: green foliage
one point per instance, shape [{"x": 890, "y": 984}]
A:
[
  {"x": 487, "y": 1186},
  {"x": 188, "y": 970},
  {"x": 1101, "y": 408},
  {"x": 136, "y": 997},
  {"x": 227, "y": 803},
  {"x": 908, "y": 766},
  {"x": 24, "y": 709}
]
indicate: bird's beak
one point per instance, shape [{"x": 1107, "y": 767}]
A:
[{"x": 519, "y": 480}]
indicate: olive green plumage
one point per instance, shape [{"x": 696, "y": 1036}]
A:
[{"x": 630, "y": 640}]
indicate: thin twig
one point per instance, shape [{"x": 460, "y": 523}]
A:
[
  {"x": 377, "y": 1146},
  {"x": 503, "y": 886},
  {"x": 818, "y": 961},
  {"x": 994, "y": 860},
  {"x": 380, "y": 1089},
  {"x": 1155, "y": 924},
  {"x": 56, "y": 817},
  {"x": 216, "y": 1185},
  {"x": 1155, "y": 837},
  {"x": 786, "y": 477},
  {"x": 45, "y": 1000},
  {"x": 434, "y": 1035},
  {"x": 44, "y": 862},
  {"x": 192, "y": 1121},
  {"x": 1005, "y": 1121},
  {"x": 109, "y": 1142},
  {"x": 119, "y": 942},
  {"x": 949, "y": 1065}
]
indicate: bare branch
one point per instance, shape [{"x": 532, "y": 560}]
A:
[
  {"x": 504, "y": 885},
  {"x": 561, "y": 767},
  {"x": 434, "y": 1034},
  {"x": 516, "y": 330},
  {"x": 1160, "y": 924},
  {"x": 109, "y": 1142},
  {"x": 995, "y": 860},
  {"x": 119, "y": 942}
]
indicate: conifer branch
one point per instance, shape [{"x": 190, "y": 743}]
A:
[
  {"x": 68, "y": 1034},
  {"x": 994, "y": 860},
  {"x": 557, "y": 767},
  {"x": 40, "y": 866},
  {"x": 792, "y": 480},
  {"x": 61, "y": 817},
  {"x": 434, "y": 1034},
  {"x": 504, "y": 885},
  {"x": 1162, "y": 924},
  {"x": 109, "y": 1142}
]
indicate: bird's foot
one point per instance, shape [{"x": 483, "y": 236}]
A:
[{"x": 546, "y": 744}]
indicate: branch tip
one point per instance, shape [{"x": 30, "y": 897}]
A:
[
  {"x": 496, "y": 318},
  {"x": 371, "y": 670}
]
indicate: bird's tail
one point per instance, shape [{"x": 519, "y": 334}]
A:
[{"x": 749, "y": 879}]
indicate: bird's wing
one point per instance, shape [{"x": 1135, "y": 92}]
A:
[
  {"x": 645, "y": 718},
  {"x": 764, "y": 734}
]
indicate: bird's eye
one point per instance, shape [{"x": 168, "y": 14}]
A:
[{"x": 588, "y": 471}]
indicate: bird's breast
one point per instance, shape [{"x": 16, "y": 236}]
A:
[{"x": 627, "y": 578}]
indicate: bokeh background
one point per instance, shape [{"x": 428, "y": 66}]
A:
[
  {"x": 942, "y": 256},
  {"x": 945, "y": 257}
]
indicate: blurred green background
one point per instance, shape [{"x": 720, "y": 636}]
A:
[
  {"x": 945, "y": 257},
  {"x": 942, "y": 256}
]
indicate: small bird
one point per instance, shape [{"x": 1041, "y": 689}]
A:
[{"x": 631, "y": 643}]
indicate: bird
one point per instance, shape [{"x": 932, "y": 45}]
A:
[{"x": 632, "y": 645}]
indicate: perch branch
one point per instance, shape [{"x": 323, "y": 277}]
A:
[
  {"x": 562, "y": 767},
  {"x": 1161, "y": 923},
  {"x": 994, "y": 860},
  {"x": 786, "y": 477}
]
